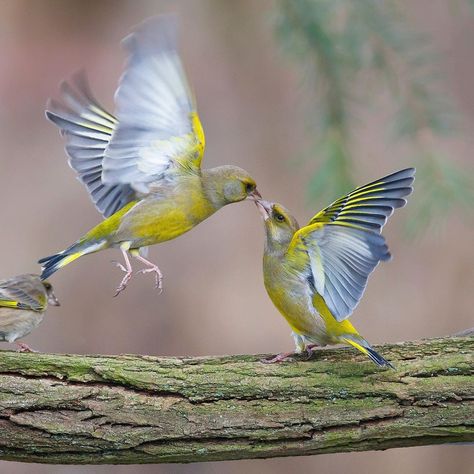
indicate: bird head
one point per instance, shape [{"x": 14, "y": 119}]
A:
[
  {"x": 52, "y": 300},
  {"x": 228, "y": 184},
  {"x": 280, "y": 225}
]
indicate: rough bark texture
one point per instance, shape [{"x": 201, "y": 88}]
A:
[{"x": 138, "y": 409}]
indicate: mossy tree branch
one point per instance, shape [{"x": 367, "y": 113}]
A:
[{"x": 73, "y": 409}]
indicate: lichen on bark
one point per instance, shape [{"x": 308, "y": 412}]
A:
[{"x": 74, "y": 409}]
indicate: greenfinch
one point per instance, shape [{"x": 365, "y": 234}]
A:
[
  {"x": 316, "y": 275},
  {"x": 143, "y": 167},
  {"x": 23, "y": 302}
]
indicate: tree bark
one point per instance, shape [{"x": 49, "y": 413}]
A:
[{"x": 73, "y": 409}]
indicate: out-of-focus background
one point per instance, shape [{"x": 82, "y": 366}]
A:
[{"x": 257, "y": 113}]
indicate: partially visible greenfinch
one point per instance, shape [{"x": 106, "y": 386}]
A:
[
  {"x": 143, "y": 168},
  {"x": 23, "y": 302},
  {"x": 316, "y": 275}
]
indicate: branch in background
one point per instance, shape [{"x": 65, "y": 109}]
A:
[
  {"x": 73, "y": 409},
  {"x": 350, "y": 51},
  {"x": 303, "y": 31}
]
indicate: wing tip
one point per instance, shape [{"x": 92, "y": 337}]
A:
[
  {"x": 158, "y": 32},
  {"x": 387, "y": 256},
  {"x": 401, "y": 202},
  {"x": 49, "y": 114},
  {"x": 403, "y": 173},
  {"x": 53, "y": 107}
]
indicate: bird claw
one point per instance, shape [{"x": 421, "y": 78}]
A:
[
  {"x": 151, "y": 268},
  {"x": 305, "y": 355},
  {"x": 278, "y": 358},
  {"x": 123, "y": 283},
  {"x": 309, "y": 351},
  {"x": 158, "y": 276},
  {"x": 22, "y": 347}
]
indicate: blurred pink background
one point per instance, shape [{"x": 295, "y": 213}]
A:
[{"x": 253, "y": 109}]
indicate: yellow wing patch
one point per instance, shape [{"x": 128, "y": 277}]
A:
[
  {"x": 31, "y": 304},
  {"x": 9, "y": 304},
  {"x": 189, "y": 148},
  {"x": 297, "y": 242},
  {"x": 199, "y": 134}
]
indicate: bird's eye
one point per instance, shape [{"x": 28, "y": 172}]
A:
[
  {"x": 279, "y": 217},
  {"x": 249, "y": 187}
]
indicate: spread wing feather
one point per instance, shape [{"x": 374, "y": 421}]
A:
[
  {"x": 369, "y": 206},
  {"x": 158, "y": 127},
  {"x": 344, "y": 243},
  {"x": 88, "y": 127},
  {"x": 156, "y": 130}
]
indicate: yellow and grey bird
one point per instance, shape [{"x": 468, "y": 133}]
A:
[
  {"x": 316, "y": 275},
  {"x": 142, "y": 168},
  {"x": 23, "y": 302}
]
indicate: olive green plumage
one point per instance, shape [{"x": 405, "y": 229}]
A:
[
  {"x": 164, "y": 215},
  {"x": 316, "y": 275},
  {"x": 23, "y": 302},
  {"x": 143, "y": 167}
]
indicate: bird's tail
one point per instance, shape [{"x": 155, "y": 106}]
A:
[
  {"x": 53, "y": 263},
  {"x": 363, "y": 346}
]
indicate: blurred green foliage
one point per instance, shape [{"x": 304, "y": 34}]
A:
[{"x": 352, "y": 53}]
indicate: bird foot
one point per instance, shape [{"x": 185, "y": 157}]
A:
[
  {"x": 307, "y": 354},
  {"x": 125, "y": 279},
  {"x": 158, "y": 276},
  {"x": 278, "y": 358},
  {"x": 22, "y": 347},
  {"x": 309, "y": 350}
]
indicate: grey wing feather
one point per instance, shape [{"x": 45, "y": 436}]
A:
[
  {"x": 344, "y": 243},
  {"x": 342, "y": 258},
  {"x": 88, "y": 129},
  {"x": 370, "y": 206}
]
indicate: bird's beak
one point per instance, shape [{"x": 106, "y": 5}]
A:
[
  {"x": 53, "y": 301},
  {"x": 264, "y": 207},
  {"x": 254, "y": 196}
]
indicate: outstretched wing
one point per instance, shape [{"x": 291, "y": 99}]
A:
[
  {"x": 344, "y": 243},
  {"x": 88, "y": 127},
  {"x": 23, "y": 292},
  {"x": 369, "y": 206},
  {"x": 158, "y": 128}
]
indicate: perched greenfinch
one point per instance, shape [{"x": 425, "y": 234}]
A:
[
  {"x": 143, "y": 167},
  {"x": 316, "y": 275},
  {"x": 23, "y": 302}
]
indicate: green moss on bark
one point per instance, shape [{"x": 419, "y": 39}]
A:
[{"x": 139, "y": 409}]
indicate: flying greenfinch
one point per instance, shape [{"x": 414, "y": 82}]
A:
[
  {"x": 316, "y": 275},
  {"x": 23, "y": 302},
  {"x": 142, "y": 168}
]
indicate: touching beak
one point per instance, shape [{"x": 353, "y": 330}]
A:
[
  {"x": 254, "y": 195},
  {"x": 53, "y": 301},
  {"x": 264, "y": 207}
]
